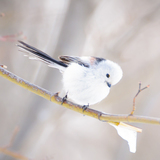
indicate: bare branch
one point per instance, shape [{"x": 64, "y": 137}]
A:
[
  {"x": 89, "y": 112},
  {"x": 134, "y": 100}
]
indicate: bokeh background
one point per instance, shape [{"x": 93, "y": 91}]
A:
[{"x": 124, "y": 31}]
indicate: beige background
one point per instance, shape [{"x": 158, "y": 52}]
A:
[{"x": 124, "y": 31}]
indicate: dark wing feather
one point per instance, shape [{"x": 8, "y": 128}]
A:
[
  {"x": 98, "y": 60},
  {"x": 39, "y": 54},
  {"x": 71, "y": 59}
]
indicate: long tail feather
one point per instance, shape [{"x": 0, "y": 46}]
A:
[{"x": 41, "y": 55}]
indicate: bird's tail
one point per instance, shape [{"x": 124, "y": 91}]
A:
[{"x": 34, "y": 53}]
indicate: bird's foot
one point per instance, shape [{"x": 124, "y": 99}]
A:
[
  {"x": 64, "y": 99},
  {"x": 85, "y": 107}
]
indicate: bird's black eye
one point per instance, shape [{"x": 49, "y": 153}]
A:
[{"x": 107, "y": 75}]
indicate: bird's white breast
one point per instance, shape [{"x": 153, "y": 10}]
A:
[{"x": 83, "y": 85}]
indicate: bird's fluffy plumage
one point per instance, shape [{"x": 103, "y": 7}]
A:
[{"x": 86, "y": 80}]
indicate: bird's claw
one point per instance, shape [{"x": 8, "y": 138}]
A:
[
  {"x": 64, "y": 99},
  {"x": 85, "y": 107}
]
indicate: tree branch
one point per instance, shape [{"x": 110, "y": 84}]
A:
[
  {"x": 12, "y": 154},
  {"x": 111, "y": 118}
]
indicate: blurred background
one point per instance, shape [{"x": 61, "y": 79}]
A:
[{"x": 124, "y": 31}]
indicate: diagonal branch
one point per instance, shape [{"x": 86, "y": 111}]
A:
[
  {"x": 12, "y": 154},
  {"x": 112, "y": 118}
]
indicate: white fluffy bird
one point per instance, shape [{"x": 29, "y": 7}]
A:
[{"x": 86, "y": 80}]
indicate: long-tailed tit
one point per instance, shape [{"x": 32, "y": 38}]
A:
[{"x": 86, "y": 80}]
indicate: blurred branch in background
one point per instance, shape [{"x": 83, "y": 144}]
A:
[
  {"x": 12, "y": 154},
  {"x": 16, "y": 130},
  {"x": 12, "y": 37},
  {"x": 2, "y": 14}
]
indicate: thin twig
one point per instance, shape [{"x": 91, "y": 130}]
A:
[
  {"x": 89, "y": 112},
  {"x": 134, "y": 100}
]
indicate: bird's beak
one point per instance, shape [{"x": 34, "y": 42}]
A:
[{"x": 108, "y": 84}]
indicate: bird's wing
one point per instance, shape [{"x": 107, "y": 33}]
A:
[
  {"x": 72, "y": 59},
  {"x": 83, "y": 61}
]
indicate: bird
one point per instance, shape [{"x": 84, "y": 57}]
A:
[{"x": 87, "y": 80}]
